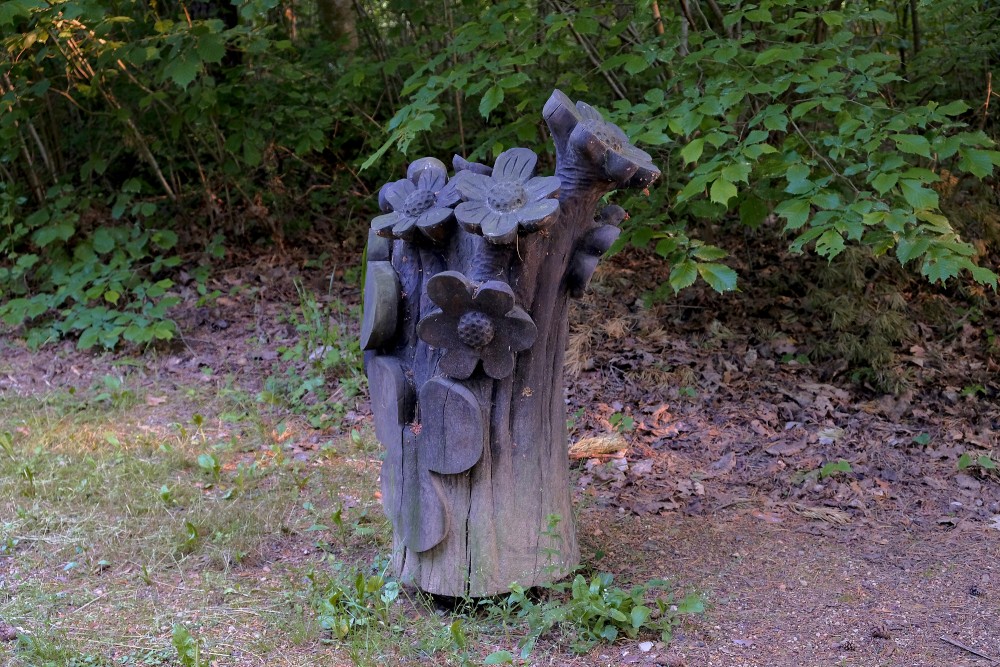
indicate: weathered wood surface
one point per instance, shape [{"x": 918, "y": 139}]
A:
[{"x": 475, "y": 478}]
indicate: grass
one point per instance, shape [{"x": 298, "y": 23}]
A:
[
  {"x": 214, "y": 535},
  {"x": 112, "y": 533}
]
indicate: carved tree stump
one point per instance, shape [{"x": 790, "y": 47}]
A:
[{"x": 465, "y": 328}]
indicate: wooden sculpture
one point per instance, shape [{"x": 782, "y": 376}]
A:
[{"x": 465, "y": 326}]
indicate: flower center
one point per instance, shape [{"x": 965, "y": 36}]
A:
[
  {"x": 475, "y": 329},
  {"x": 418, "y": 202},
  {"x": 506, "y": 196}
]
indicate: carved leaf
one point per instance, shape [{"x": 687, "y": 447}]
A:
[{"x": 381, "y": 305}]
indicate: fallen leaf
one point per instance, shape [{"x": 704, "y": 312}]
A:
[
  {"x": 722, "y": 466},
  {"x": 155, "y": 400},
  {"x": 786, "y": 448}
]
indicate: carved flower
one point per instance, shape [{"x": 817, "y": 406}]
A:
[
  {"x": 421, "y": 201},
  {"x": 475, "y": 324},
  {"x": 604, "y": 143},
  {"x": 509, "y": 200}
]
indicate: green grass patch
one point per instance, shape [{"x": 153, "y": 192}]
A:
[{"x": 130, "y": 539}]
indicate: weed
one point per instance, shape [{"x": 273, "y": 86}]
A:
[
  {"x": 622, "y": 423},
  {"x": 983, "y": 462},
  {"x": 112, "y": 390},
  {"x": 188, "y": 648},
  {"x": 325, "y": 353},
  {"x": 832, "y": 468},
  {"x": 593, "y": 612},
  {"x": 354, "y": 600}
]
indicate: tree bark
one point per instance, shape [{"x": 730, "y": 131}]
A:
[{"x": 338, "y": 20}]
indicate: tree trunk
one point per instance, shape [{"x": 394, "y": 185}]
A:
[
  {"x": 338, "y": 20},
  {"x": 466, "y": 353}
]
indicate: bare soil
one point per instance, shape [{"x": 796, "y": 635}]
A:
[{"x": 825, "y": 523}]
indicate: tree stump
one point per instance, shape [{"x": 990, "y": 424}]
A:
[{"x": 468, "y": 284}]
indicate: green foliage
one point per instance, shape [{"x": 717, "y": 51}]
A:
[
  {"x": 782, "y": 111},
  {"x": 354, "y": 601},
  {"x": 132, "y": 135},
  {"x": 321, "y": 370},
  {"x": 832, "y": 468},
  {"x": 983, "y": 462},
  {"x": 595, "y": 611},
  {"x": 188, "y": 648}
]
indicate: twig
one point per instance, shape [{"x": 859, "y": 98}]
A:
[
  {"x": 968, "y": 648},
  {"x": 588, "y": 49},
  {"x": 822, "y": 157},
  {"x": 81, "y": 608},
  {"x": 658, "y": 20},
  {"x": 986, "y": 104}
]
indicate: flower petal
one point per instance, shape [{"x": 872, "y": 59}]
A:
[
  {"x": 438, "y": 329},
  {"x": 474, "y": 187},
  {"x": 392, "y": 195},
  {"x": 536, "y": 215},
  {"x": 434, "y": 223},
  {"x": 461, "y": 164},
  {"x": 383, "y": 224},
  {"x": 542, "y": 187},
  {"x": 428, "y": 173},
  {"x": 516, "y": 331},
  {"x": 560, "y": 114},
  {"x": 637, "y": 155},
  {"x": 584, "y": 139},
  {"x": 619, "y": 136},
  {"x": 619, "y": 168},
  {"x": 449, "y": 194},
  {"x": 588, "y": 112},
  {"x": 517, "y": 164},
  {"x": 501, "y": 229},
  {"x": 498, "y": 362},
  {"x": 405, "y": 228},
  {"x": 644, "y": 177},
  {"x": 495, "y": 298},
  {"x": 611, "y": 214},
  {"x": 459, "y": 362},
  {"x": 474, "y": 214},
  {"x": 451, "y": 291}
]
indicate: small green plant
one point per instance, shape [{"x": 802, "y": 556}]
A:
[
  {"x": 973, "y": 390},
  {"x": 354, "y": 600},
  {"x": 799, "y": 359},
  {"x": 832, "y": 468},
  {"x": 188, "y": 648},
  {"x": 29, "y": 477},
  {"x": 322, "y": 369},
  {"x": 621, "y": 422},
  {"x": 593, "y": 612},
  {"x": 113, "y": 391},
  {"x": 983, "y": 462},
  {"x": 210, "y": 464},
  {"x": 687, "y": 392},
  {"x": 923, "y": 439},
  {"x": 7, "y": 444}
]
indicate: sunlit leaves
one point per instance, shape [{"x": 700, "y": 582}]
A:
[{"x": 720, "y": 277}]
